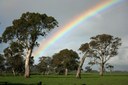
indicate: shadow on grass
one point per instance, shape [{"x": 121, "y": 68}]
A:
[{"x": 7, "y": 83}]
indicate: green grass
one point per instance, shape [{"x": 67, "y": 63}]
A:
[{"x": 88, "y": 79}]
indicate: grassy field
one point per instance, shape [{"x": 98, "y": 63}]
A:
[{"x": 87, "y": 79}]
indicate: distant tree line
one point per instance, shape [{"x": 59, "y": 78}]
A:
[{"x": 60, "y": 63}]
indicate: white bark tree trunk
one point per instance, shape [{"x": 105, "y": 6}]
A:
[
  {"x": 78, "y": 74},
  {"x": 101, "y": 69},
  {"x": 66, "y": 71},
  {"x": 27, "y": 64},
  {"x": 13, "y": 71}
]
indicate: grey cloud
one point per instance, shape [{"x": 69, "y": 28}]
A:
[
  {"x": 125, "y": 47},
  {"x": 113, "y": 21}
]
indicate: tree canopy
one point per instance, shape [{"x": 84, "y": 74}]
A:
[
  {"x": 26, "y": 30},
  {"x": 101, "y": 48},
  {"x": 67, "y": 59},
  {"x": 14, "y": 56}
]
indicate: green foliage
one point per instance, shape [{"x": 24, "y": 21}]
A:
[
  {"x": 84, "y": 47},
  {"x": 88, "y": 69},
  {"x": 44, "y": 64},
  {"x": 101, "y": 48},
  {"x": 29, "y": 27},
  {"x": 2, "y": 60},
  {"x": 14, "y": 57},
  {"x": 0, "y": 39},
  {"x": 66, "y": 59},
  {"x": 109, "y": 67},
  {"x": 26, "y": 30}
]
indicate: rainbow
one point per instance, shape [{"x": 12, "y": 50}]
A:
[{"x": 88, "y": 14}]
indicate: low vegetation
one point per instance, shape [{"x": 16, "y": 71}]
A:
[{"x": 87, "y": 79}]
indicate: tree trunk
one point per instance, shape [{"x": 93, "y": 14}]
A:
[
  {"x": 27, "y": 64},
  {"x": 13, "y": 71},
  {"x": 48, "y": 72},
  {"x": 66, "y": 71},
  {"x": 101, "y": 69},
  {"x": 110, "y": 70},
  {"x": 78, "y": 74}
]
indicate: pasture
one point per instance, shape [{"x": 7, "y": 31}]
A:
[{"x": 87, "y": 79}]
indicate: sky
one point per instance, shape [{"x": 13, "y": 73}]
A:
[{"x": 113, "y": 21}]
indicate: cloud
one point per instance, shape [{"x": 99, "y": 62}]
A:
[
  {"x": 125, "y": 47},
  {"x": 113, "y": 21},
  {"x": 122, "y": 57}
]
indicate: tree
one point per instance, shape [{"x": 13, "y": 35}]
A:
[
  {"x": 44, "y": 64},
  {"x": 27, "y": 30},
  {"x": 109, "y": 67},
  {"x": 88, "y": 69},
  {"x": 0, "y": 39},
  {"x": 14, "y": 57},
  {"x": 84, "y": 49},
  {"x": 2, "y": 62},
  {"x": 102, "y": 48},
  {"x": 67, "y": 59},
  {"x": 31, "y": 62}
]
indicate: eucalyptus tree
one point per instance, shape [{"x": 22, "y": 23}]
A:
[
  {"x": 2, "y": 63},
  {"x": 14, "y": 56},
  {"x": 84, "y": 48},
  {"x": 67, "y": 59},
  {"x": 31, "y": 62},
  {"x": 0, "y": 39},
  {"x": 44, "y": 64},
  {"x": 104, "y": 47},
  {"x": 26, "y": 30},
  {"x": 1, "y": 59},
  {"x": 88, "y": 68},
  {"x": 109, "y": 67},
  {"x": 101, "y": 49}
]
